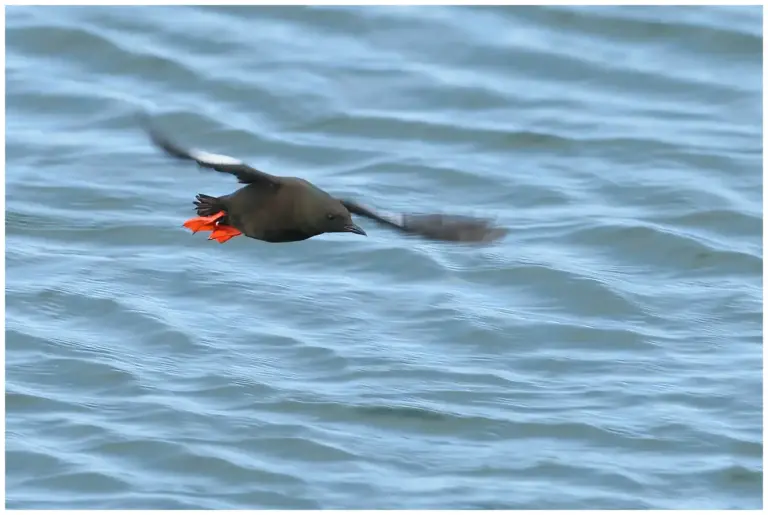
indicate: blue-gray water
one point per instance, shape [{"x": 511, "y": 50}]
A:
[{"x": 607, "y": 354}]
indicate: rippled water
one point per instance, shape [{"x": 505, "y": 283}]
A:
[{"x": 607, "y": 354}]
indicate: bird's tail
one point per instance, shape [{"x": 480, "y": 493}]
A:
[
  {"x": 212, "y": 216},
  {"x": 208, "y": 206}
]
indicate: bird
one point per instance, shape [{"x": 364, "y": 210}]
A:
[{"x": 283, "y": 209}]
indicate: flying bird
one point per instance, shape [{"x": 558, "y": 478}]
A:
[{"x": 278, "y": 209}]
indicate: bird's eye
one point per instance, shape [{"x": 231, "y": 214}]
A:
[{"x": 330, "y": 216}]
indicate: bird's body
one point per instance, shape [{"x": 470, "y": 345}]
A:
[
  {"x": 271, "y": 215},
  {"x": 278, "y": 209}
]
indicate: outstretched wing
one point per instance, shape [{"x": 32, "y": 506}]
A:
[
  {"x": 245, "y": 174},
  {"x": 440, "y": 227}
]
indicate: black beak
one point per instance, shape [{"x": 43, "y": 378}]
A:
[{"x": 355, "y": 229}]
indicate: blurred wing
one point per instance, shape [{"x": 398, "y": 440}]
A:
[
  {"x": 245, "y": 174},
  {"x": 441, "y": 227}
]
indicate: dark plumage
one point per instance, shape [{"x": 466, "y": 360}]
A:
[{"x": 283, "y": 209}]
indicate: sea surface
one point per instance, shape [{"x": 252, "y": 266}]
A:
[{"x": 606, "y": 354}]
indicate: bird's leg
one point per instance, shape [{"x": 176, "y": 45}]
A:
[{"x": 219, "y": 231}]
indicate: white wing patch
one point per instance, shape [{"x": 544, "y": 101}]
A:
[
  {"x": 395, "y": 218},
  {"x": 214, "y": 159}
]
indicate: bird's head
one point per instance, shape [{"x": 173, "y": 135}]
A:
[
  {"x": 329, "y": 215},
  {"x": 336, "y": 218}
]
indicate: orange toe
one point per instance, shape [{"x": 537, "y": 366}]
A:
[
  {"x": 195, "y": 225},
  {"x": 203, "y": 223},
  {"x": 224, "y": 233}
]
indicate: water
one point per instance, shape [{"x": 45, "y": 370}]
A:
[{"x": 607, "y": 354}]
